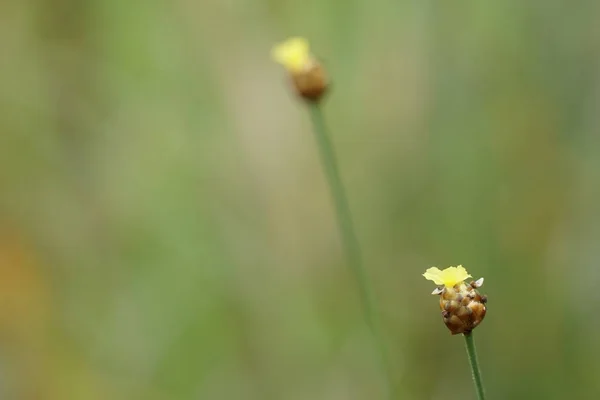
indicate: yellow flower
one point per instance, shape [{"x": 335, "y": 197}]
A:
[
  {"x": 308, "y": 76},
  {"x": 448, "y": 277},
  {"x": 293, "y": 54},
  {"x": 463, "y": 307}
]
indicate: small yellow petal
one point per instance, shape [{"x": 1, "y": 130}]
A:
[
  {"x": 461, "y": 273},
  {"x": 434, "y": 274},
  {"x": 293, "y": 54},
  {"x": 448, "y": 277}
]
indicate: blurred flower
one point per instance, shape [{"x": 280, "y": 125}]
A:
[
  {"x": 293, "y": 54},
  {"x": 308, "y": 75},
  {"x": 448, "y": 277},
  {"x": 463, "y": 308}
]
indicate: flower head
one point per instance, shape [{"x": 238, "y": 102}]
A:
[
  {"x": 293, "y": 54},
  {"x": 448, "y": 277},
  {"x": 307, "y": 74},
  {"x": 463, "y": 307}
]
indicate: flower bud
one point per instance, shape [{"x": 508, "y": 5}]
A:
[
  {"x": 463, "y": 307},
  {"x": 311, "y": 84},
  {"x": 307, "y": 74},
  {"x": 465, "y": 315}
]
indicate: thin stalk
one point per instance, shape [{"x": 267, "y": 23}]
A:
[
  {"x": 476, "y": 372},
  {"x": 348, "y": 234}
]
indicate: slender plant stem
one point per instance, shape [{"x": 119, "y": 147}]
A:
[
  {"x": 348, "y": 234},
  {"x": 470, "y": 344}
]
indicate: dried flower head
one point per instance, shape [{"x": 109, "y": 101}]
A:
[
  {"x": 463, "y": 308},
  {"x": 308, "y": 75}
]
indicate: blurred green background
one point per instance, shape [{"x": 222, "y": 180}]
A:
[{"x": 166, "y": 231}]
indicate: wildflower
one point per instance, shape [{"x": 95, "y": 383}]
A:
[
  {"x": 448, "y": 277},
  {"x": 307, "y": 74},
  {"x": 463, "y": 308},
  {"x": 293, "y": 54}
]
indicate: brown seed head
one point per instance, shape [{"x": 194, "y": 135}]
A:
[
  {"x": 311, "y": 83},
  {"x": 463, "y": 308},
  {"x": 307, "y": 74}
]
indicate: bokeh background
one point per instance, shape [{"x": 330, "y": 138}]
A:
[{"x": 166, "y": 231}]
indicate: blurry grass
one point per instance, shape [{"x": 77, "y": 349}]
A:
[{"x": 350, "y": 243}]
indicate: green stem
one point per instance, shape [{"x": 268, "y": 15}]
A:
[
  {"x": 348, "y": 233},
  {"x": 470, "y": 344}
]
